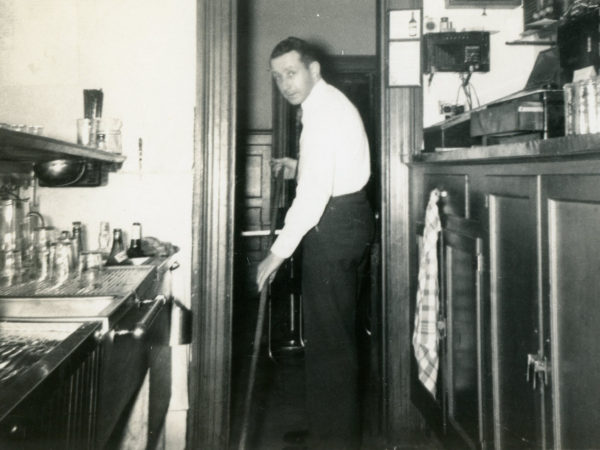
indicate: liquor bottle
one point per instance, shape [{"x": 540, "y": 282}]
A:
[
  {"x": 135, "y": 247},
  {"x": 118, "y": 254},
  {"x": 412, "y": 25}
]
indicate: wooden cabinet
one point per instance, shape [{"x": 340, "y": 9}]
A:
[
  {"x": 460, "y": 390},
  {"x": 519, "y": 282},
  {"x": 572, "y": 203},
  {"x": 514, "y": 308},
  {"x": 462, "y": 269}
]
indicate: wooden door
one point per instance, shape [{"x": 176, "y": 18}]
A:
[
  {"x": 255, "y": 214},
  {"x": 462, "y": 289},
  {"x": 515, "y": 313},
  {"x": 573, "y": 207}
]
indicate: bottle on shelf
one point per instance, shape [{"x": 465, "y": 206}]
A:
[
  {"x": 118, "y": 254},
  {"x": 135, "y": 247},
  {"x": 412, "y": 25}
]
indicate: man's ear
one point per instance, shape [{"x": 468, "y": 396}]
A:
[{"x": 315, "y": 70}]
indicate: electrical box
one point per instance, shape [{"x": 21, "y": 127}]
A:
[{"x": 465, "y": 51}]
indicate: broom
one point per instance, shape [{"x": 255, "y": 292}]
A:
[{"x": 261, "y": 319}]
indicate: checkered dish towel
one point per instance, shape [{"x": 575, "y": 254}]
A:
[{"x": 425, "y": 337}]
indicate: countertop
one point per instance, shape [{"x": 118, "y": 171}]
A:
[
  {"x": 50, "y": 343},
  {"x": 62, "y": 341},
  {"x": 546, "y": 149}
]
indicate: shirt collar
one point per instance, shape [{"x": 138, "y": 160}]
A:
[{"x": 313, "y": 96}]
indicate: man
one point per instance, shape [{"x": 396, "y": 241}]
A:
[{"x": 331, "y": 215}]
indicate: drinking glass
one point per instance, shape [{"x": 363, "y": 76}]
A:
[{"x": 90, "y": 268}]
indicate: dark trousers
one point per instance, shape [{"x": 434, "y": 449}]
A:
[{"x": 334, "y": 255}]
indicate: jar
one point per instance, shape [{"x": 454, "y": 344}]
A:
[
  {"x": 444, "y": 24},
  {"x": 108, "y": 134},
  {"x": 569, "y": 102},
  {"x": 581, "y": 104},
  {"x": 592, "y": 105}
]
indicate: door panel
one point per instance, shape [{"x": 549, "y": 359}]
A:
[
  {"x": 256, "y": 204},
  {"x": 515, "y": 312},
  {"x": 574, "y": 263},
  {"x": 464, "y": 369}
]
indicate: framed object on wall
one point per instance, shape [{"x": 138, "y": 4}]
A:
[
  {"x": 482, "y": 3},
  {"x": 404, "y": 46}
]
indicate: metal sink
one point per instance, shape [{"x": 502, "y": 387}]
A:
[
  {"x": 106, "y": 309},
  {"x": 143, "y": 260}
]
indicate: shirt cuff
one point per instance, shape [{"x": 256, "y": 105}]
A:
[{"x": 282, "y": 247}]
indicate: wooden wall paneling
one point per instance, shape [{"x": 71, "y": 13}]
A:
[
  {"x": 401, "y": 126},
  {"x": 212, "y": 224}
]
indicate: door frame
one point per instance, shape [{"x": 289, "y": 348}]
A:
[
  {"x": 213, "y": 204},
  {"x": 213, "y": 228}
]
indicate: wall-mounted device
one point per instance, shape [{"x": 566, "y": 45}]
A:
[{"x": 465, "y": 51}]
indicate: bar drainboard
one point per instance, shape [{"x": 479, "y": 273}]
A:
[
  {"x": 112, "y": 281},
  {"x": 21, "y": 345}
]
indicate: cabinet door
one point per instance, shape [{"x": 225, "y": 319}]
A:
[
  {"x": 573, "y": 204},
  {"x": 515, "y": 313},
  {"x": 462, "y": 291}
]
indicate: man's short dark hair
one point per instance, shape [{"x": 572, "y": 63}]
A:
[{"x": 308, "y": 53}]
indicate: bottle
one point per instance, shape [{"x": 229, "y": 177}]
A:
[
  {"x": 118, "y": 254},
  {"x": 76, "y": 243},
  {"x": 63, "y": 258},
  {"x": 444, "y": 25},
  {"x": 104, "y": 239},
  {"x": 135, "y": 247},
  {"x": 412, "y": 25}
]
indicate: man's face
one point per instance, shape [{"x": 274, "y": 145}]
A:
[{"x": 293, "y": 78}]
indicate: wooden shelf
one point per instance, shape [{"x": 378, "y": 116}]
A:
[{"x": 21, "y": 147}]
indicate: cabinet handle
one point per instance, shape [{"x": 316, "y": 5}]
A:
[
  {"x": 140, "y": 328},
  {"x": 537, "y": 364}
]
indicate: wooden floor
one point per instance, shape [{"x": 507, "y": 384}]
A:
[{"x": 278, "y": 404}]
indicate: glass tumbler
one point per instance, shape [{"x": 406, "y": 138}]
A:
[{"x": 90, "y": 269}]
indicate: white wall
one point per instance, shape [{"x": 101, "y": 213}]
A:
[
  {"x": 142, "y": 54},
  {"x": 510, "y": 65}
]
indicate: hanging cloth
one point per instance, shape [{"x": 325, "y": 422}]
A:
[{"x": 425, "y": 337}]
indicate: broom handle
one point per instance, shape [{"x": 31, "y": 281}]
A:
[{"x": 261, "y": 320}]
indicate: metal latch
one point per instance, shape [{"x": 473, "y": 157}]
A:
[
  {"x": 441, "y": 326},
  {"x": 537, "y": 364}
]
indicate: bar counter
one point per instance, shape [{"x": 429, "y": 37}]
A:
[{"x": 587, "y": 145}]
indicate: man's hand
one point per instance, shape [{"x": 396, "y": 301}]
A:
[
  {"x": 267, "y": 268},
  {"x": 289, "y": 165}
]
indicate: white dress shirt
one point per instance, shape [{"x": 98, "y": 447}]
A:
[{"x": 334, "y": 160}]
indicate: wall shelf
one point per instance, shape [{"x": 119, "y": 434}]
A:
[{"x": 21, "y": 147}]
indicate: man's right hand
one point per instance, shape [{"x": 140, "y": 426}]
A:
[{"x": 289, "y": 167}]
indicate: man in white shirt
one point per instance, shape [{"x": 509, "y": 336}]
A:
[{"x": 331, "y": 215}]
